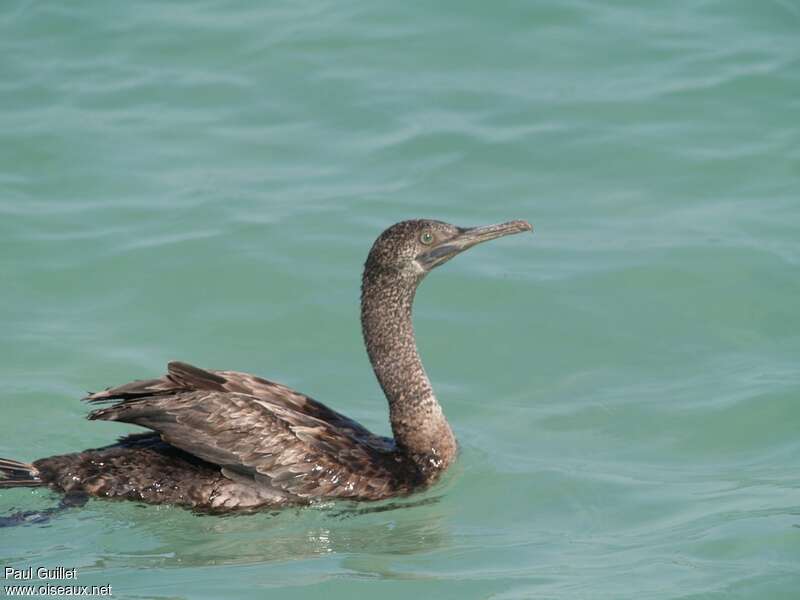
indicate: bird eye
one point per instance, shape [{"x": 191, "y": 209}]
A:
[{"x": 426, "y": 238}]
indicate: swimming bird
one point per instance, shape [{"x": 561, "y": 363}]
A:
[{"x": 225, "y": 441}]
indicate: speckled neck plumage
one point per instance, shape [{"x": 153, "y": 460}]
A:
[{"x": 418, "y": 423}]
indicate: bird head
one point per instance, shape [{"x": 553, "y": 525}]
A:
[{"x": 414, "y": 248}]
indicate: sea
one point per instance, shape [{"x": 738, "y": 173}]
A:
[{"x": 202, "y": 181}]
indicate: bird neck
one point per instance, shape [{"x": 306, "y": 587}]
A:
[{"x": 418, "y": 423}]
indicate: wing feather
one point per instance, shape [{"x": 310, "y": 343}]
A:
[{"x": 254, "y": 427}]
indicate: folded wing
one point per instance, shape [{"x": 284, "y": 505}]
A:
[{"x": 258, "y": 429}]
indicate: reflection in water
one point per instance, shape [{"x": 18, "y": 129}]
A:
[
  {"x": 362, "y": 509},
  {"x": 174, "y": 537}
]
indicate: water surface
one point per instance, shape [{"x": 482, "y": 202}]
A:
[{"x": 202, "y": 181}]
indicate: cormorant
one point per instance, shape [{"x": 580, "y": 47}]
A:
[{"x": 225, "y": 441}]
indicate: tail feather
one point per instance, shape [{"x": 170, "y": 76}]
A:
[{"x": 18, "y": 474}]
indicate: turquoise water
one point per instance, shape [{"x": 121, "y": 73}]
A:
[{"x": 202, "y": 181}]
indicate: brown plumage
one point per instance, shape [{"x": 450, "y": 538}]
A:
[{"x": 226, "y": 441}]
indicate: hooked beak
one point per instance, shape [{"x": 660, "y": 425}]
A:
[{"x": 467, "y": 238}]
